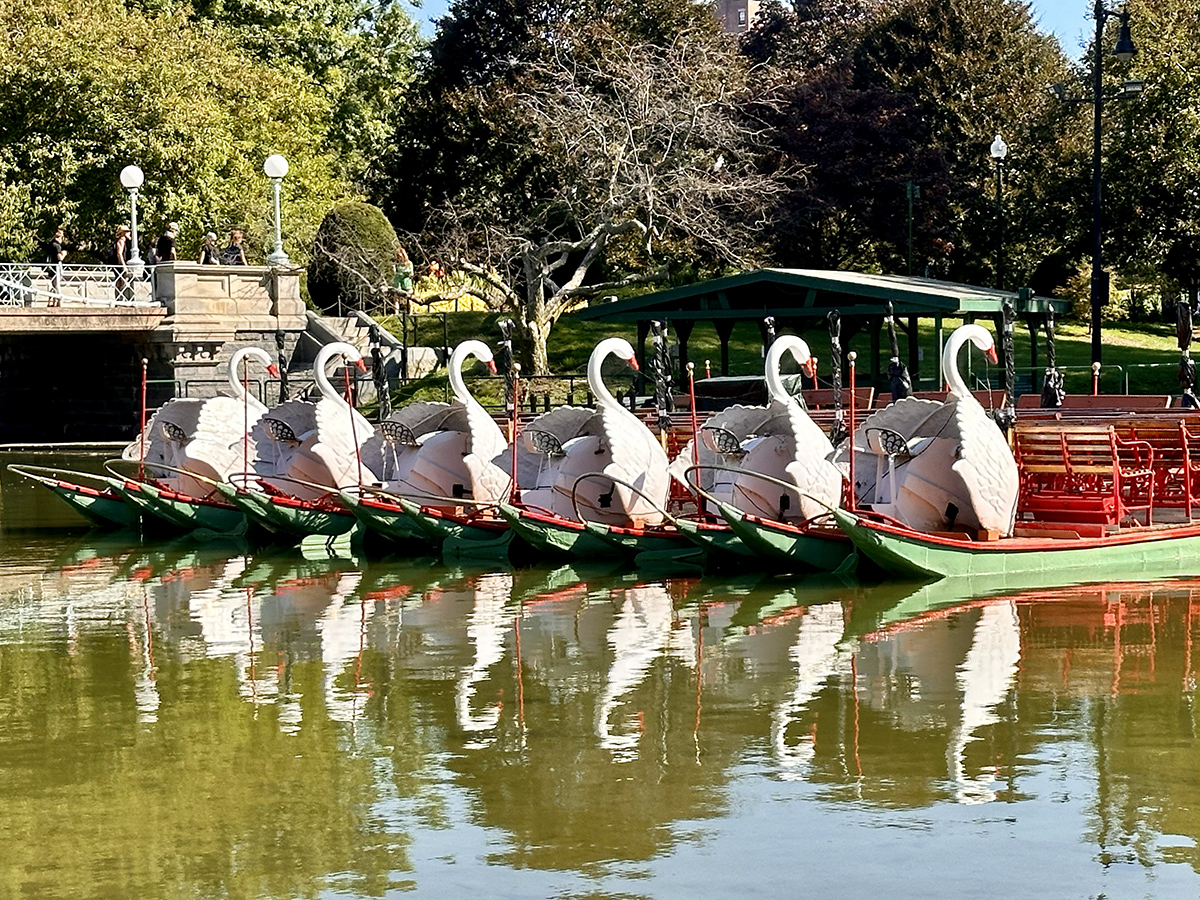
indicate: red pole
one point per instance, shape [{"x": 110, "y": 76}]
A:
[
  {"x": 1095, "y": 379},
  {"x": 353, "y": 431},
  {"x": 708, "y": 368},
  {"x": 692, "y": 404},
  {"x": 142, "y": 462},
  {"x": 514, "y": 424},
  {"x": 852, "y": 500},
  {"x": 816, "y": 386},
  {"x": 245, "y": 421}
]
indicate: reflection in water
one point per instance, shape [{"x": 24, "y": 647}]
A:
[
  {"x": 984, "y": 679},
  {"x": 815, "y": 657},
  {"x": 275, "y": 726}
]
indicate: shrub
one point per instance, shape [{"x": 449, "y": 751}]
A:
[{"x": 352, "y": 258}]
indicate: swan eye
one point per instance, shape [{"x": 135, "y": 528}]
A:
[{"x": 173, "y": 432}]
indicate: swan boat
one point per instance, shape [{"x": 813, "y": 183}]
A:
[
  {"x": 303, "y": 454},
  {"x": 440, "y": 470},
  {"x": 601, "y": 492},
  {"x": 942, "y": 501},
  {"x": 754, "y": 464},
  {"x": 187, "y": 449}
]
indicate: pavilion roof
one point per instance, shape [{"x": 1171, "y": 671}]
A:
[{"x": 798, "y": 293}]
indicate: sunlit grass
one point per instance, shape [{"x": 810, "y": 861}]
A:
[{"x": 1143, "y": 355}]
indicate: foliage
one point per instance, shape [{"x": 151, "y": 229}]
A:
[
  {"x": 353, "y": 256},
  {"x": 87, "y": 87},
  {"x": 865, "y": 98},
  {"x": 1152, "y": 167},
  {"x": 600, "y": 135},
  {"x": 974, "y": 68}
]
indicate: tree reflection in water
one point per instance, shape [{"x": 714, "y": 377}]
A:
[{"x": 193, "y": 723}]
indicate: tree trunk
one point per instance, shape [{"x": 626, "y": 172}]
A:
[{"x": 538, "y": 331}]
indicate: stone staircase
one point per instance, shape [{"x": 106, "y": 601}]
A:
[{"x": 356, "y": 330}]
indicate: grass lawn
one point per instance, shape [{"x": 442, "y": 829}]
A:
[{"x": 1145, "y": 354}]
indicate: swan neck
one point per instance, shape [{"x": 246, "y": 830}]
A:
[
  {"x": 954, "y": 380},
  {"x": 327, "y": 390},
  {"x": 595, "y": 375},
  {"x": 457, "y": 384},
  {"x": 235, "y": 382},
  {"x": 775, "y": 387}
]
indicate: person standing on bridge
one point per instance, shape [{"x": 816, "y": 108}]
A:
[
  {"x": 116, "y": 256},
  {"x": 235, "y": 253},
  {"x": 55, "y": 254},
  {"x": 210, "y": 253},
  {"x": 165, "y": 250}
]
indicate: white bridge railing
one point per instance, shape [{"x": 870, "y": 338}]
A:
[{"x": 46, "y": 285}]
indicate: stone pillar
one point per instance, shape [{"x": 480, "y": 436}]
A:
[{"x": 212, "y": 311}]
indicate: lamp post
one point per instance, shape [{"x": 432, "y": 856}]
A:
[
  {"x": 276, "y": 167},
  {"x": 131, "y": 179},
  {"x": 1124, "y": 51},
  {"x": 999, "y": 150}
]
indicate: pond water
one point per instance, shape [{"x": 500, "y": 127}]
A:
[{"x": 183, "y": 720}]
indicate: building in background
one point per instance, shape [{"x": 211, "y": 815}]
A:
[{"x": 736, "y": 15}]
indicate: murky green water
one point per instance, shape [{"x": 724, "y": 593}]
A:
[{"x": 182, "y": 721}]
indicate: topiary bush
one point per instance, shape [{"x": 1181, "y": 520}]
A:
[{"x": 353, "y": 259}]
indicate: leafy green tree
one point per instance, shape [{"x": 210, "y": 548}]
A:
[
  {"x": 975, "y": 68},
  {"x": 1152, "y": 164},
  {"x": 87, "y": 87}
]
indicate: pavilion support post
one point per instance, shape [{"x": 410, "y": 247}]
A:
[
  {"x": 939, "y": 333},
  {"x": 1031, "y": 322},
  {"x": 913, "y": 333},
  {"x": 724, "y": 332},
  {"x": 876, "y": 325},
  {"x": 683, "y": 331},
  {"x": 643, "y": 327}
]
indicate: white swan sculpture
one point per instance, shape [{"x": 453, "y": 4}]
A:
[
  {"x": 439, "y": 450},
  {"x": 609, "y": 441},
  {"x": 204, "y": 436},
  {"x": 301, "y": 441},
  {"x": 934, "y": 465},
  {"x": 779, "y": 440}
]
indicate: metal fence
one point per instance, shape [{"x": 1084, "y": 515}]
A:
[{"x": 30, "y": 285}]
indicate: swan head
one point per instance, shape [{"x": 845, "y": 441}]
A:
[
  {"x": 618, "y": 347},
  {"x": 477, "y": 349},
  {"x": 257, "y": 353},
  {"x": 798, "y": 348},
  {"x": 980, "y": 337},
  {"x": 339, "y": 348}
]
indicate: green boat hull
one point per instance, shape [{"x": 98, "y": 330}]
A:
[
  {"x": 287, "y": 520},
  {"x": 462, "y": 540},
  {"x": 633, "y": 544},
  {"x": 103, "y": 510},
  {"x": 394, "y": 525},
  {"x": 138, "y": 495},
  {"x": 555, "y": 538},
  {"x": 1152, "y": 554},
  {"x": 192, "y": 514},
  {"x": 715, "y": 541},
  {"x": 786, "y": 547}
]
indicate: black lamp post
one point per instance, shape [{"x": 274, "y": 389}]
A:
[
  {"x": 999, "y": 150},
  {"x": 1124, "y": 51}
]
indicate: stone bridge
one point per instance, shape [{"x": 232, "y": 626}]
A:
[{"x": 73, "y": 372}]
